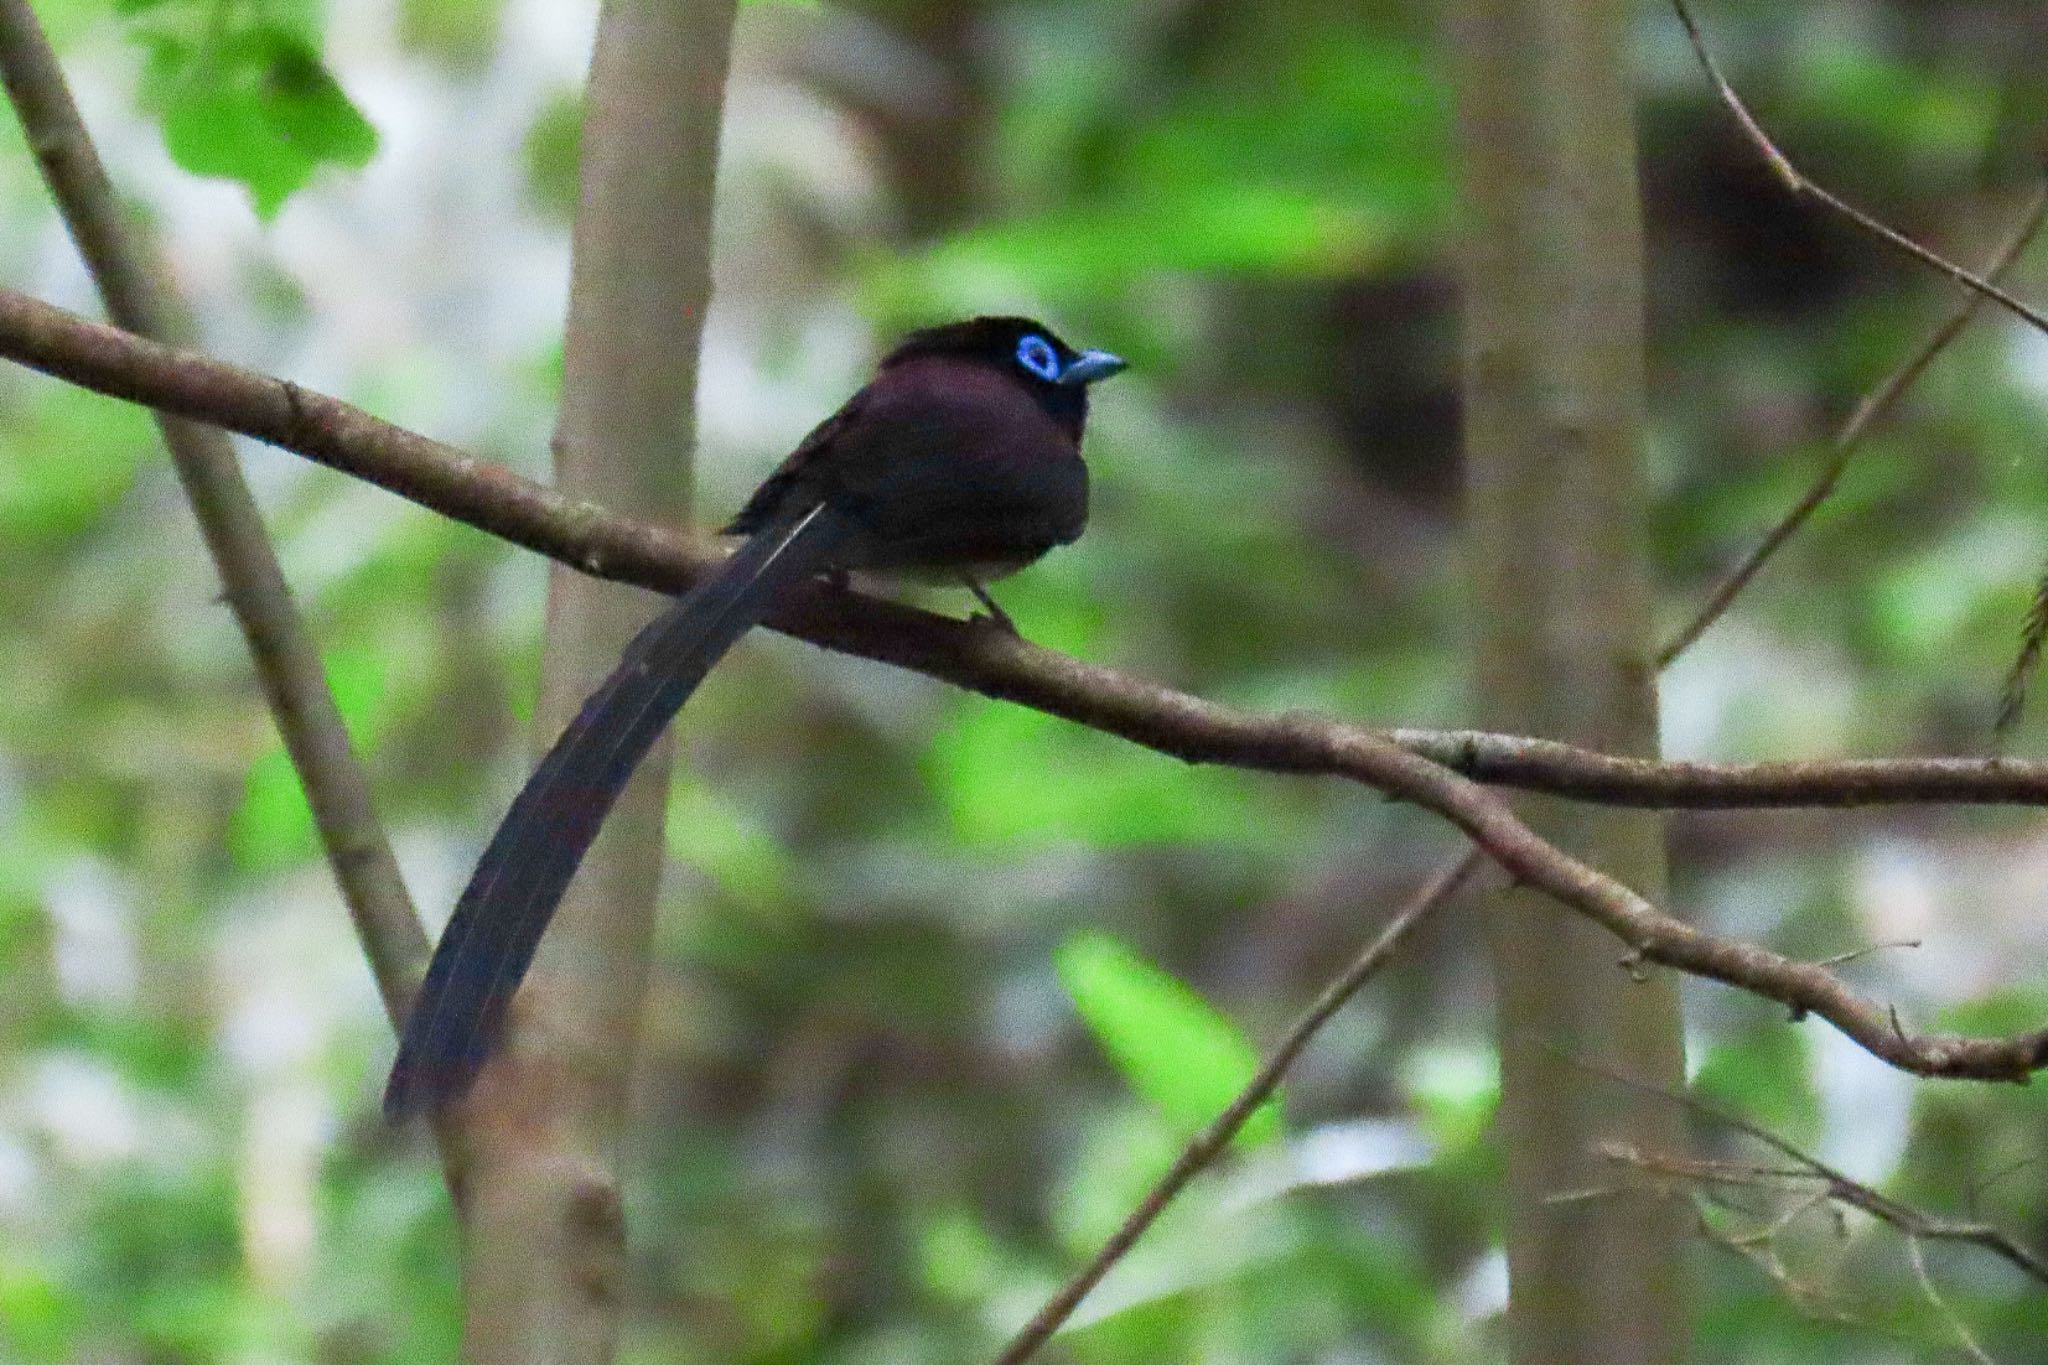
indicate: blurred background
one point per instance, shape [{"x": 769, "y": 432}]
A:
[{"x": 870, "y": 1125}]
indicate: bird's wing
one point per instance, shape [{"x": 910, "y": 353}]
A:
[{"x": 795, "y": 480}]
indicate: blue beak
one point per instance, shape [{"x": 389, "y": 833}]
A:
[{"x": 1090, "y": 366}]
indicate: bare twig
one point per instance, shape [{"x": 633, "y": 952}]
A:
[
  {"x": 1796, "y": 181},
  {"x": 1965, "y": 1338},
  {"x": 2005, "y": 1172},
  {"x": 1817, "y": 1187},
  {"x": 1761, "y": 1252},
  {"x": 1409, "y": 765},
  {"x": 1211, "y": 1141},
  {"x": 1849, "y": 439},
  {"x": 1843, "y": 1190},
  {"x": 1850, "y": 956}
]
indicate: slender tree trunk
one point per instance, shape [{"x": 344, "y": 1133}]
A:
[
  {"x": 1553, "y": 395},
  {"x": 544, "y": 1252}
]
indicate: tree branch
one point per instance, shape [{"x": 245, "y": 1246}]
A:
[
  {"x": 1146, "y": 713},
  {"x": 491, "y": 498},
  {"x": 1503, "y": 758},
  {"x": 1832, "y": 1184},
  {"x": 1557, "y": 769}
]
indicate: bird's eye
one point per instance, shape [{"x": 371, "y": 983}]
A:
[{"x": 1036, "y": 354}]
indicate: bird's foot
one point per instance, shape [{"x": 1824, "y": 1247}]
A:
[{"x": 995, "y": 618}]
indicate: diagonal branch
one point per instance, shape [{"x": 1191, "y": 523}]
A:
[
  {"x": 1502, "y": 758},
  {"x": 286, "y": 662},
  {"x": 1816, "y": 1184},
  {"x": 287, "y": 665},
  {"x": 1560, "y": 769},
  {"x": 1796, "y": 181},
  {"x": 1876, "y": 404},
  {"x": 1210, "y": 1142},
  {"x": 1500, "y": 753},
  {"x": 1001, "y": 666}
]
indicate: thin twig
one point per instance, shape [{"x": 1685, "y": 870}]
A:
[
  {"x": 1213, "y": 1139},
  {"x": 1559, "y": 769},
  {"x": 1866, "y": 950},
  {"x": 1762, "y": 1255},
  {"x": 1415, "y": 766},
  {"x": 2005, "y": 1172},
  {"x": 1796, "y": 181},
  {"x": 1964, "y": 1336},
  {"x": 1849, "y": 439},
  {"x": 1843, "y": 1189}
]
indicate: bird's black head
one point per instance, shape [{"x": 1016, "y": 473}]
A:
[{"x": 1029, "y": 351}]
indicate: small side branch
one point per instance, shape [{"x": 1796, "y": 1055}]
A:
[
  {"x": 1809, "y": 1172},
  {"x": 1557, "y": 769}
]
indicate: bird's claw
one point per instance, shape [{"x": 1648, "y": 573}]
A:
[{"x": 991, "y": 615}]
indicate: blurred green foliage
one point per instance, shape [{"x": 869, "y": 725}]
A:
[{"x": 904, "y": 926}]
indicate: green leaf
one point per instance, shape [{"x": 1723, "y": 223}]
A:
[
  {"x": 1454, "y": 1091},
  {"x": 989, "y": 765},
  {"x": 718, "y": 838},
  {"x": 554, "y": 141},
  {"x": 460, "y": 34},
  {"x": 309, "y": 110},
  {"x": 1174, "y": 1048},
  {"x": 224, "y": 133},
  {"x": 38, "y": 1320},
  {"x": 1911, "y": 109},
  {"x": 959, "y": 1259},
  {"x": 256, "y": 106}
]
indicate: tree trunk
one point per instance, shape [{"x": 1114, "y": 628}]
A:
[
  {"x": 1553, "y": 443},
  {"x": 544, "y": 1250}
]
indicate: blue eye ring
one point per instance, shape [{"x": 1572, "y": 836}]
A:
[{"x": 1036, "y": 354}]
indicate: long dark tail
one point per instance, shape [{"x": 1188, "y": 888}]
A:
[{"x": 498, "y": 922}]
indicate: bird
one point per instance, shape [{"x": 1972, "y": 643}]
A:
[{"x": 959, "y": 461}]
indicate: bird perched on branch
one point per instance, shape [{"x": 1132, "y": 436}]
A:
[{"x": 960, "y": 460}]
